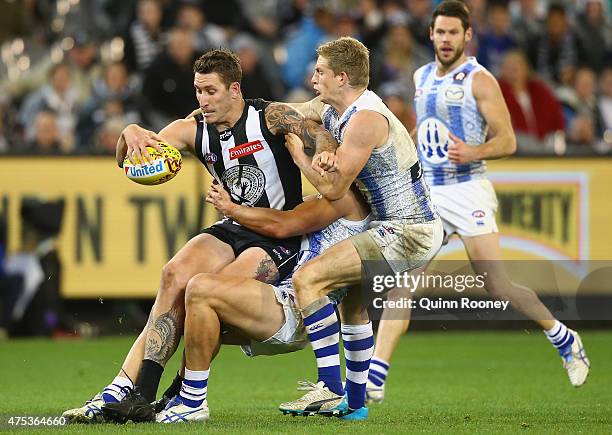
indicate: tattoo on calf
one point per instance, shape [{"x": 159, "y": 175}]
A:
[
  {"x": 163, "y": 336},
  {"x": 267, "y": 271}
]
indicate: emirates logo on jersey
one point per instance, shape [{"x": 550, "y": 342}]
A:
[{"x": 245, "y": 149}]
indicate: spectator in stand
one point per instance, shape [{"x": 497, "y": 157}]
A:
[
  {"x": 59, "y": 96},
  {"x": 556, "y": 50},
  {"x": 594, "y": 35},
  {"x": 168, "y": 83},
  {"x": 497, "y": 39},
  {"x": 144, "y": 40},
  {"x": 46, "y": 138},
  {"x": 301, "y": 44},
  {"x": 535, "y": 111},
  {"x": 527, "y": 25},
  {"x": 190, "y": 16},
  {"x": 583, "y": 120},
  {"x": 398, "y": 57},
  {"x": 419, "y": 20},
  {"x": 371, "y": 22},
  {"x": 605, "y": 99},
  {"x": 396, "y": 97},
  {"x": 105, "y": 139},
  {"x": 81, "y": 57},
  {"x": 255, "y": 83},
  {"x": 115, "y": 96}
]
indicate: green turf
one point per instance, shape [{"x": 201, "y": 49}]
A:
[{"x": 442, "y": 382}]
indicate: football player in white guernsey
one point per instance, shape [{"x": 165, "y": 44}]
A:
[
  {"x": 226, "y": 247},
  {"x": 262, "y": 318},
  {"x": 462, "y": 120},
  {"x": 377, "y": 154}
]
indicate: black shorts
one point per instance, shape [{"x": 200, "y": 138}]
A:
[{"x": 284, "y": 252}]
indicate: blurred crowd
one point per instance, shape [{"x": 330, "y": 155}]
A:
[{"x": 75, "y": 72}]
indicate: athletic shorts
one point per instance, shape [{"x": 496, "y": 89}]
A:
[
  {"x": 292, "y": 334},
  {"x": 467, "y": 208},
  {"x": 404, "y": 246},
  {"x": 284, "y": 252}
]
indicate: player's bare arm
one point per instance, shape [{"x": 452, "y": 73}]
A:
[
  {"x": 307, "y": 217},
  {"x": 310, "y": 109},
  {"x": 134, "y": 140},
  {"x": 502, "y": 141},
  {"x": 333, "y": 175},
  {"x": 281, "y": 118}
]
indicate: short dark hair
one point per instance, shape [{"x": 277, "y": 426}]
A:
[
  {"x": 455, "y": 9},
  {"x": 221, "y": 61}
]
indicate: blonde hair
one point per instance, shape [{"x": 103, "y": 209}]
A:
[{"x": 348, "y": 55}]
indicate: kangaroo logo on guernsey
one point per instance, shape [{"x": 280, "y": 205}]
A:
[{"x": 245, "y": 149}]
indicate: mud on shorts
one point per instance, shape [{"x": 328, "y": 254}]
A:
[{"x": 399, "y": 245}]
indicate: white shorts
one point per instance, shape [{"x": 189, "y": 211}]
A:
[
  {"x": 290, "y": 337},
  {"x": 467, "y": 208},
  {"x": 404, "y": 246}
]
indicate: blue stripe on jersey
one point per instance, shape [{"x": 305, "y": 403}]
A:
[
  {"x": 456, "y": 119},
  {"x": 419, "y": 190},
  {"x": 428, "y": 69},
  {"x": 376, "y": 200},
  {"x": 430, "y": 105}
]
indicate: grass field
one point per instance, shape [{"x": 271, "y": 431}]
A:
[{"x": 440, "y": 382}]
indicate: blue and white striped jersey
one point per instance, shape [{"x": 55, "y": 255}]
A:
[{"x": 444, "y": 104}]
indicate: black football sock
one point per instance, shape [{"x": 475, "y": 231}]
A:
[
  {"x": 175, "y": 386},
  {"x": 148, "y": 379}
]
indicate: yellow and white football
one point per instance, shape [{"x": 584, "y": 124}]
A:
[{"x": 165, "y": 165}]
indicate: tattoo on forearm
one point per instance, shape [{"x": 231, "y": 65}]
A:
[
  {"x": 164, "y": 335},
  {"x": 267, "y": 271},
  {"x": 282, "y": 119}
]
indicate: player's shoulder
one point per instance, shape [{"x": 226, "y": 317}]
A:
[
  {"x": 484, "y": 82},
  {"x": 257, "y": 103},
  {"x": 428, "y": 67}
]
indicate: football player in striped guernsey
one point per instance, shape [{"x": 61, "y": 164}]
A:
[
  {"x": 241, "y": 143},
  {"x": 462, "y": 121}
]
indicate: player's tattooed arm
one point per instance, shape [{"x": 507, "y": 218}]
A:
[
  {"x": 267, "y": 271},
  {"x": 282, "y": 119},
  {"x": 164, "y": 335}
]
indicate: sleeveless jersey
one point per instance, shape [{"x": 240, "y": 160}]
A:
[
  {"x": 446, "y": 104},
  {"x": 249, "y": 161},
  {"x": 391, "y": 180}
]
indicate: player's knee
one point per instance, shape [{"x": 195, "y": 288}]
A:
[
  {"x": 173, "y": 280},
  {"x": 200, "y": 288}
]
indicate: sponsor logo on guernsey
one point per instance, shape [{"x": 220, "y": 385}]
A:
[
  {"x": 210, "y": 158},
  {"x": 478, "y": 214},
  {"x": 459, "y": 77},
  {"x": 143, "y": 171},
  {"x": 418, "y": 93},
  {"x": 245, "y": 149},
  {"x": 225, "y": 135},
  {"x": 454, "y": 94}
]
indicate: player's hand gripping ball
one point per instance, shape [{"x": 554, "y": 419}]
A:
[{"x": 165, "y": 165}]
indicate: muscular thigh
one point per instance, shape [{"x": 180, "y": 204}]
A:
[
  {"x": 247, "y": 306},
  {"x": 337, "y": 267},
  {"x": 202, "y": 254},
  {"x": 253, "y": 263}
]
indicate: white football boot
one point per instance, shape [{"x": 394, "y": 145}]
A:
[
  {"x": 177, "y": 412},
  {"x": 90, "y": 412},
  {"x": 576, "y": 362},
  {"x": 318, "y": 400},
  {"x": 374, "y": 393}
]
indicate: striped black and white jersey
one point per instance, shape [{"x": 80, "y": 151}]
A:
[{"x": 249, "y": 161}]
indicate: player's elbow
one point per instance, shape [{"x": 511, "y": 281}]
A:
[
  {"x": 279, "y": 230},
  {"x": 333, "y": 192},
  {"x": 512, "y": 145}
]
